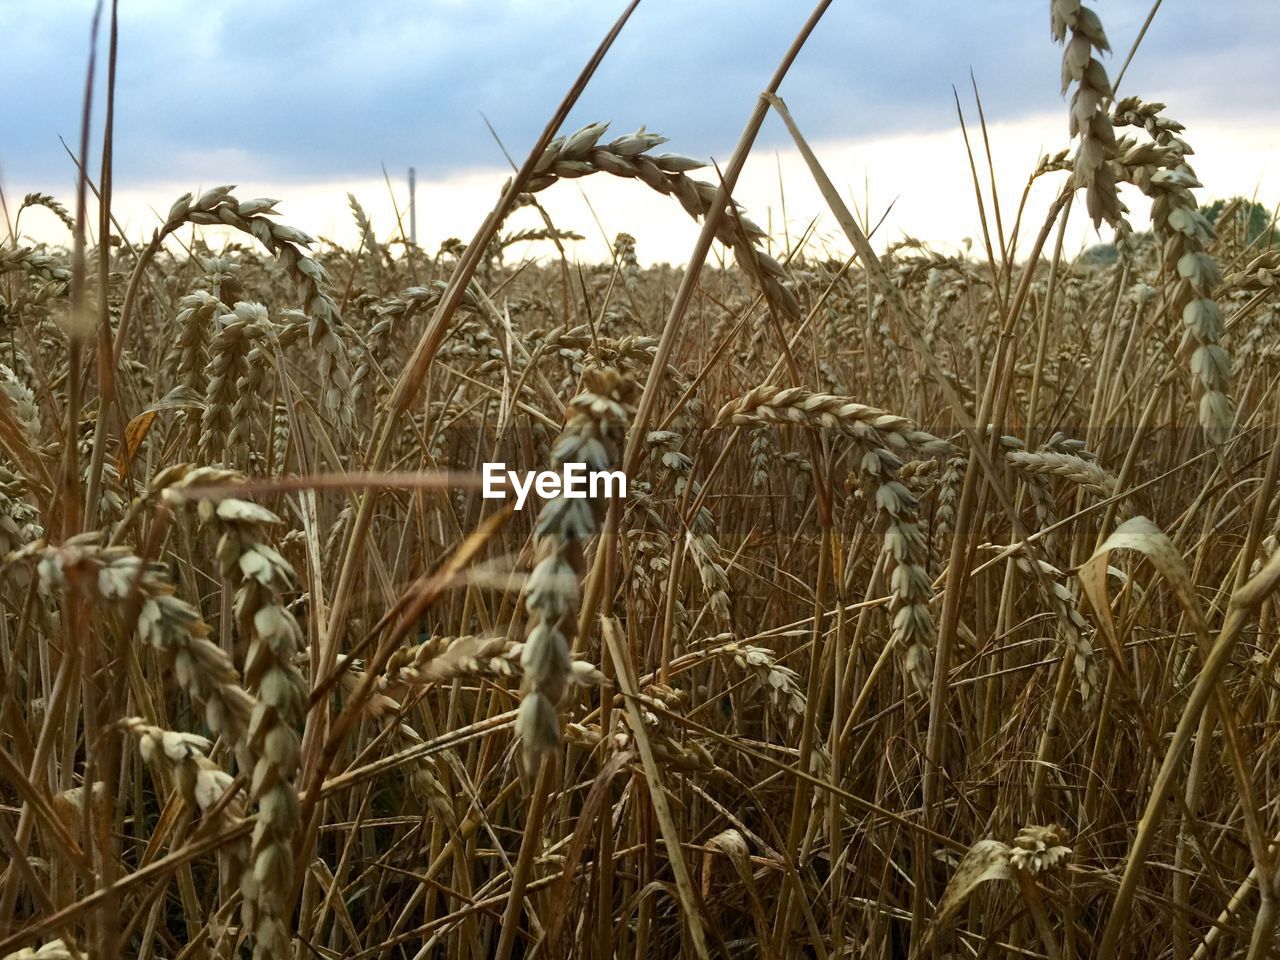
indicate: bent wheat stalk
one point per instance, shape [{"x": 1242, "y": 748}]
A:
[{"x": 875, "y": 432}]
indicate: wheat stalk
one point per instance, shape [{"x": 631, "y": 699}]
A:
[
  {"x": 875, "y": 432},
  {"x": 581, "y": 153},
  {"x": 1072, "y": 626}
]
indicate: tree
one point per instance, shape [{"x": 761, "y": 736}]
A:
[{"x": 1253, "y": 219}]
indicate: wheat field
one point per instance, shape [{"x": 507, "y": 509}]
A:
[{"x": 938, "y": 619}]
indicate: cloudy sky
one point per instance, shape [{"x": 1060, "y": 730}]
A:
[{"x": 306, "y": 100}]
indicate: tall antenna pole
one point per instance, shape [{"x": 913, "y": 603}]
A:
[{"x": 413, "y": 207}]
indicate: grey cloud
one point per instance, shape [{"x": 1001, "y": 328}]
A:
[{"x": 250, "y": 89}]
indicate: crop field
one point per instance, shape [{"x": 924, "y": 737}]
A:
[{"x": 937, "y": 620}]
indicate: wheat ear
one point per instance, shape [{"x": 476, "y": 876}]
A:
[
  {"x": 581, "y": 153},
  {"x": 261, "y": 575},
  {"x": 1080, "y": 29},
  {"x": 53, "y": 950},
  {"x": 36, "y": 262},
  {"x": 1085, "y": 474},
  {"x": 289, "y": 246},
  {"x": 593, "y": 432},
  {"x": 165, "y": 622},
  {"x": 1161, "y": 171},
  {"x": 875, "y": 432}
]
